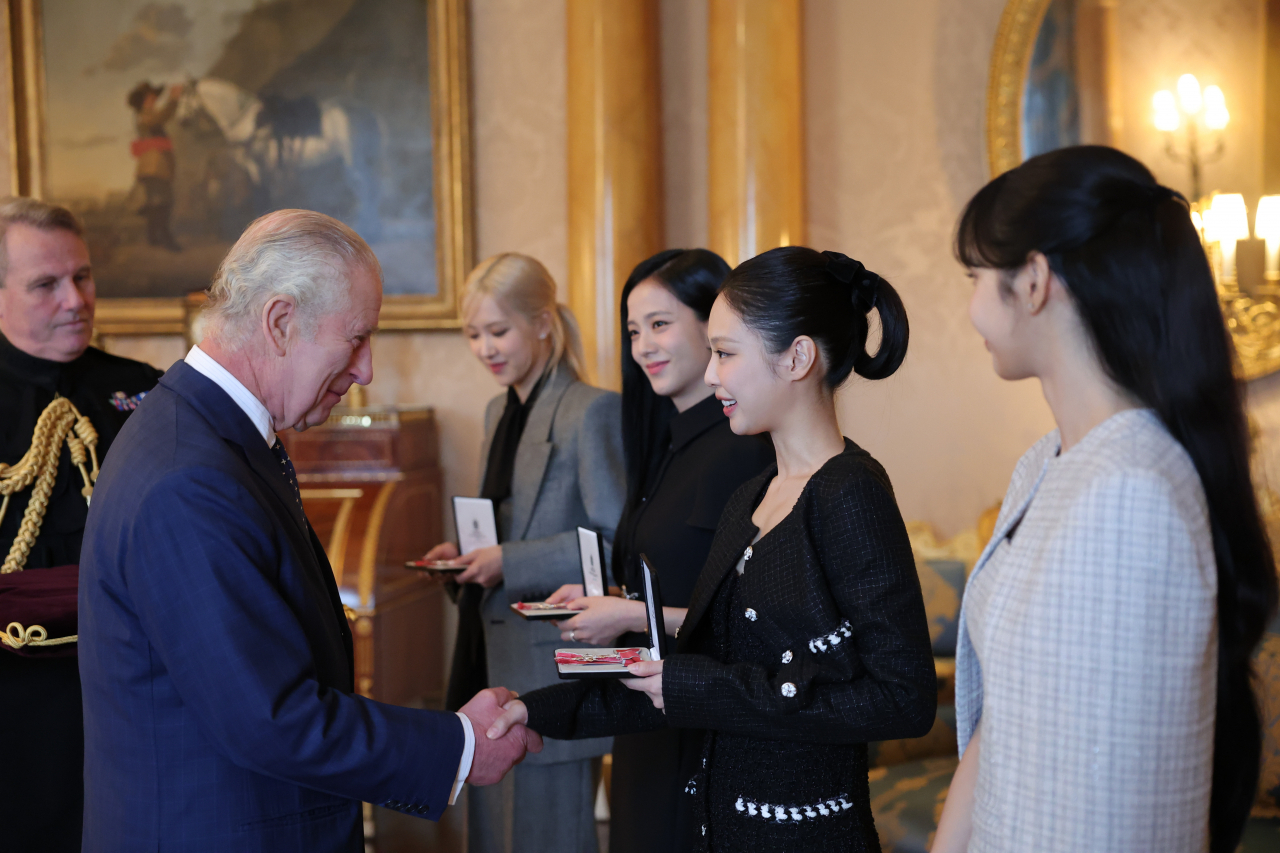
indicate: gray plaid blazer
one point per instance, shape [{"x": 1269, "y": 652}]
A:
[
  {"x": 569, "y": 472},
  {"x": 1088, "y": 650}
]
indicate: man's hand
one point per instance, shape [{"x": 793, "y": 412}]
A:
[
  {"x": 484, "y": 566},
  {"x": 494, "y": 757}
]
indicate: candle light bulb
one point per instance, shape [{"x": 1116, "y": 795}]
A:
[
  {"x": 1166, "y": 111},
  {"x": 1215, "y": 108},
  {"x": 1266, "y": 226},
  {"x": 1227, "y": 223},
  {"x": 1189, "y": 94}
]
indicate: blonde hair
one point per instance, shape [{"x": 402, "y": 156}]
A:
[
  {"x": 522, "y": 285},
  {"x": 296, "y": 253}
]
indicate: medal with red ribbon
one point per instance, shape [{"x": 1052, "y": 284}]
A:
[{"x": 612, "y": 657}]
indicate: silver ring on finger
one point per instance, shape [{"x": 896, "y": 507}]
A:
[{"x": 572, "y": 637}]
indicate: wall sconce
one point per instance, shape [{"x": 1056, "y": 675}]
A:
[{"x": 1193, "y": 110}]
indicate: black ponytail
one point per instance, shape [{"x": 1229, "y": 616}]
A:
[
  {"x": 792, "y": 291},
  {"x": 1133, "y": 263}
]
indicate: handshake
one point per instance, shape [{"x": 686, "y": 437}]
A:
[{"x": 510, "y": 743}]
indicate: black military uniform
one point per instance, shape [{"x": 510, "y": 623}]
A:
[{"x": 41, "y": 730}]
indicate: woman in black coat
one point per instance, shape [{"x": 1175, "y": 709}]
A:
[
  {"x": 683, "y": 464},
  {"x": 806, "y": 634}
]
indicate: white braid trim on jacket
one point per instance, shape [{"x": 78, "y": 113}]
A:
[{"x": 821, "y": 644}]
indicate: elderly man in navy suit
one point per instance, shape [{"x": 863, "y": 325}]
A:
[{"x": 215, "y": 658}]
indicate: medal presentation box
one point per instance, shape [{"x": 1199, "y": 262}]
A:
[
  {"x": 591, "y": 554},
  {"x": 373, "y": 490},
  {"x": 612, "y": 662}
]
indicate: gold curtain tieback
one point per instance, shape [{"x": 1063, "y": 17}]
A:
[{"x": 15, "y": 636}]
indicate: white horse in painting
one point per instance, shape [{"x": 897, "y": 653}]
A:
[{"x": 273, "y": 139}]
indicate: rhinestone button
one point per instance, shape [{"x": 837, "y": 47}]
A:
[
  {"x": 786, "y": 656},
  {"x": 750, "y": 614},
  {"x": 746, "y": 555},
  {"x": 788, "y": 690},
  {"x": 704, "y": 829}
]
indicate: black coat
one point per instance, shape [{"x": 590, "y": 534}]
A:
[
  {"x": 673, "y": 523},
  {"x": 819, "y": 647},
  {"x": 43, "y": 744}
]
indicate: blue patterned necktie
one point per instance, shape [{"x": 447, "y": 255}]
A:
[{"x": 286, "y": 468}]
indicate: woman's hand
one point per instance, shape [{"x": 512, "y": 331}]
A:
[
  {"x": 955, "y": 826},
  {"x": 566, "y": 593},
  {"x": 648, "y": 680},
  {"x": 513, "y": 713},
  {"x": 484, "y": 566},
  {"x": 443, "y": 551},
  {"x": 603, "y": 619}
]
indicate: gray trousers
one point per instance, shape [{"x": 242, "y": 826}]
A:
[{"x": 537, "y": 808}]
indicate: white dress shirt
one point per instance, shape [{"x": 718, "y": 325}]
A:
[{"x": 204, "y": 364}]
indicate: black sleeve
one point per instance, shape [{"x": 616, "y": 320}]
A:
[
  {"x": 590, "y": 708},
  {"x": 883, "y": 687}
]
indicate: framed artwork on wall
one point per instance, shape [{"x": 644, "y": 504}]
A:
[{"x": 169, "y": 125}]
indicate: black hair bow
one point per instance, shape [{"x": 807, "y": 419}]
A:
[{"x": 864, "y": 283}]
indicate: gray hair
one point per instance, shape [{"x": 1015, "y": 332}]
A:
[
  {"x": 296, "y": 253},
  {"x": 17, "y": 210}
]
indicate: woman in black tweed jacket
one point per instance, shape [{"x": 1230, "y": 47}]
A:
[{"x": 807, "y": 640}]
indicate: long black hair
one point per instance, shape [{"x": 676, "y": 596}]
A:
[
  {"x": 1137, "y": 273},
  {"x": 693, "y": 276},
  {"x": 792, "y": 291}
]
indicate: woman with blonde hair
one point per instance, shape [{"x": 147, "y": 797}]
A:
[{"x": 553, "y": 463}]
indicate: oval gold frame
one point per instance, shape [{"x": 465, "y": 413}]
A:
[
  {"x": 1254, "y": 323},
  {"x": 1010, "y": 59}
]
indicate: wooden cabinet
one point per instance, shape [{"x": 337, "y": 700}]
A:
[{"x": 372, "y": 488}]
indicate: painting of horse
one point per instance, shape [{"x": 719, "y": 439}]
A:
[{"x": 170, "y": 126}]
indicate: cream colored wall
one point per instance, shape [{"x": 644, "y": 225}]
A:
[{"x": 895, "y": 146}]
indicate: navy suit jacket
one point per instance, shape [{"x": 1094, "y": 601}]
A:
[{"x": 215, "y": 657}]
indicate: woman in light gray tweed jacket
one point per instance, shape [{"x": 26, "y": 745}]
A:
[
  {"x": 1102, "y": 687},
  {"x": 553, "y": 462}
]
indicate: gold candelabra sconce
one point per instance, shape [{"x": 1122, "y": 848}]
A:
[
  {"x": 1193, "y": 121},
  {"x": 1252, "y": 312},
  {"x": 1199, "y": 116}
]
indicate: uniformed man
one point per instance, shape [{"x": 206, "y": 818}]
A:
[{"x": 46, "y": 320}]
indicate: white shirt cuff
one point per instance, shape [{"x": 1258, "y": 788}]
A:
[{"x": 468, "y": 753}]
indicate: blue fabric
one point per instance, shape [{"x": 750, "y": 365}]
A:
[
  {"x": 215, "y": 657},
  {"x": 286, "y": 468}
]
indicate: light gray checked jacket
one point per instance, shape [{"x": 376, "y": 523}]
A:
[{"x": 1088, "y": 650}]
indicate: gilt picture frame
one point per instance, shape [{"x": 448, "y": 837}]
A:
[{"x": 422, "y": 211}]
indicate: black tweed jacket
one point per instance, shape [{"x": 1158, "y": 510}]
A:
[{"x": 818, "y": 647}]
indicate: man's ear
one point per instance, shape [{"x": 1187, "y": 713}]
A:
[
  {"x": 799, "y": 359},
  {"x": 279, "y": 323},
  {"x": 1033, "y": 282}
]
